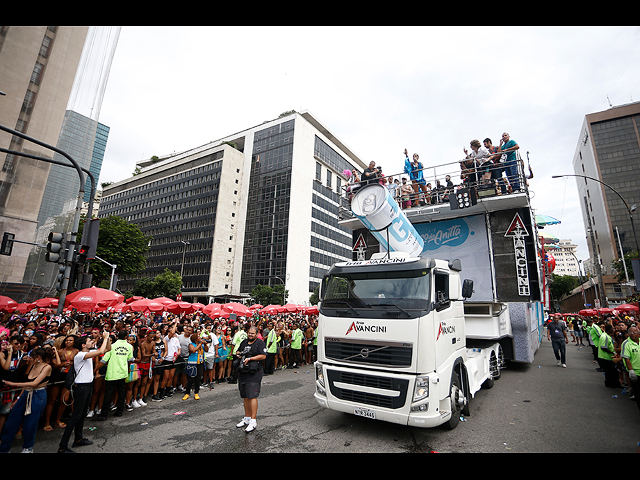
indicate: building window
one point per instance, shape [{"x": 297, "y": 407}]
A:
[
  {"x": 329, "y": 178},
  {"x": 318, "y": 172}
]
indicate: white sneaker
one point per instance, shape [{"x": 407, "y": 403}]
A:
[
  {"x": 245, "y": 421},
  {"x": 142, "y": 403},
  {"x": 135, "y": 404},
  {"x": 251, "y": 427},
  {"x": 90, "y": 413},
  {"x": 564, "y": 365},
  {"x": 558, "y": 363}
]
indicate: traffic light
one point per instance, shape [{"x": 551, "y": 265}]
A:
[
  {"x": 60, "y": 277},
  {"x": 81, "y": 254},
  {"x": 7, "y": 243},
  {"x": 54, "y": 247}
]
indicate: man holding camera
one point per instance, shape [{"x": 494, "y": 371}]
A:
[{"x": 251, "y": 352}]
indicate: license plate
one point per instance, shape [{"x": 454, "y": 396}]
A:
[{"x": 364, "y": 412}]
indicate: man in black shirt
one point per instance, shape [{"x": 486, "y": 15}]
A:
[
  {"x": 252, "y": 352},
  {"x": 370, "y": 174}
]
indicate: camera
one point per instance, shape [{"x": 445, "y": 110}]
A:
[{"x": 251, "y": 366}]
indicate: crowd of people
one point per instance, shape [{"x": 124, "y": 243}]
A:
[
  {"x": 614, "y": 341},
  {"x": 122, "y": 361},
  {"x": 486, "y": 167}
]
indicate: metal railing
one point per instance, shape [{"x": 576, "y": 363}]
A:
[{"x": 488, "y": 179}]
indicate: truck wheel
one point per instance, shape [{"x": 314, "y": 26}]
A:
[{"x": 457, "y": 398}]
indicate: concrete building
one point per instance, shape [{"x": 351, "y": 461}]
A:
[
  {"x": 565, "y": 256},
  {"x": 609, "y": 151},
  {"x": 37, "y": 70},
  {"x": 259, "y": 207}
]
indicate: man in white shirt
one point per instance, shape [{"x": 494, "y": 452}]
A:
[{"x": 82, "y": 390}]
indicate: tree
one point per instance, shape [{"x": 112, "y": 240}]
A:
[
  {"x": 265, "y": 295},
  {"x": 166, "y": 284},
  {"x": 619, "y": 266},
  {"x": 562, "y": 284},
  {"x": 120, "y": 243},
  {"x": 315, "y": 298}
]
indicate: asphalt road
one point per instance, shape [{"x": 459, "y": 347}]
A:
[{"x": 533, "y": 408}]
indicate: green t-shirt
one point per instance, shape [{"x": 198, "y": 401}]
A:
[
  {"x": 296, "y": 339},
  {"x": 631, "y": 350},
  {"x": 605, "y": 341},
  {"x": 272, "y": 342},
  {"x": 117, "y": 360},
  {"x": 237, "y": 340}
]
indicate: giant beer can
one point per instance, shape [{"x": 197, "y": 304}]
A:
[{"x": 379, "y": 212}]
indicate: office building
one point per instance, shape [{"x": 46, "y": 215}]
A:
[
  {"x": 564, "y": 254},
  {"x": 37, "y": 70},
  {"x": 609, "y": 151},
  {"x": 259, "y": 207}
]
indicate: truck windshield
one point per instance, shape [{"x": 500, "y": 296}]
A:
[{"x": 407, "y": 290}]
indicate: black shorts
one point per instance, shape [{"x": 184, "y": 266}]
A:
[{"x": 249, "y": 389}]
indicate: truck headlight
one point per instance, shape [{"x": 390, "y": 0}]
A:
[
  {"x": 421, "y": 390},
  {"x": 319, "y": 374}
]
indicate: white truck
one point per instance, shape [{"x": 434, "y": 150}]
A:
[{"x": 400, "y": 338}]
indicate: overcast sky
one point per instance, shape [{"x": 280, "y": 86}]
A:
[{"x": 379, "y": 89}]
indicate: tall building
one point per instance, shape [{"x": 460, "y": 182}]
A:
[
  {"x": 85, "y": 140},
  {"x": 565, "y": 257},
  {"x": 609, "y": 151},
  {"x": 37, "y": 70},
  {"x": 259, "y": 207}
]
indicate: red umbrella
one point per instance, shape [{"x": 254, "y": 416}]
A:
[
  {"x": 255, "y": 306},
  {"x": 272, "y": 310},
  {"x": 48, "y": 302},
  {"x": 237, "y": 308},
  {"x": 25, "y": 307},
  {"x": 179, "y": 307},
  {"x": 588, "y": 312},
  {"x": 145, "y": 305},
  {"x": 133, "y": 299},
  {"x": 212, "y": 308},
  {"x": 627, "y": 308},
  {"x": 311, "y": 310},
  {"x": 164, "y": 300},
  {"x": 198, "y": 306},
  {"x": 7, "y": 304},
  {"x": 93, "y": 299}
]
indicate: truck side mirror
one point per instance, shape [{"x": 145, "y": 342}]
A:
[{"x": 467, "y": 288}]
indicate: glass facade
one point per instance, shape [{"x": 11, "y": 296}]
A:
[
  {"x": 267, "y": 224},
  {"x": 618, "y": 152},
  {"x": 173, "y": 206},
  {"x": 86, "y": 141},
  {"x": 330, "y": 242}
]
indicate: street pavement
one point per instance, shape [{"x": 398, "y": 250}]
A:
[{"x": 533, "y": 408}]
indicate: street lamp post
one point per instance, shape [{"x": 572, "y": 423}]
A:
[{"x": 630, "y": 209}]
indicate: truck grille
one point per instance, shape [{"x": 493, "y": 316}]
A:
[
  {"x": 365, "y": 398},
  {"x": 391, "y": 355}
]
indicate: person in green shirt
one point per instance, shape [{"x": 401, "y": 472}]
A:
[
  {"x": 296, "y": 345},
  {"x": 631, "y": 355},
  {"x": 239, "y": 336},
  {"x": 594, "y": 333},
  {"x": 272, "y": 348},
  {"x": 606, "y": 351},
  {"x": 117, "y": 360}
]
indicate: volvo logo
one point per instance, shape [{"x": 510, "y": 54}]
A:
[{"x": 364, "y": 353}]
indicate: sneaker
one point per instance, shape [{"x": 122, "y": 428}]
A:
[
  {"x": 135, "y": 404},
  {"x": 564, "y": 365},
  {"x": 244, "y": 422},
  {"x": 186, "y": 397},
  {"x": 83, "y": 442},
  {"x": 142, "y": 403},
  {"x": 27, "y": 450},
  {"x": 63, "y": 450},
  {"x": 251, "y": 427},
  {"x": 90, "y": 413},
  {"x": 156, "y": 398},
  {"x": 558, "y": 363},
  {"x": 196, "y": 396},
  {"x": 129, "y": 407}
]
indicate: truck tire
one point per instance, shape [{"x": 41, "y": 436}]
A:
[{"x": 456, "y": 397}]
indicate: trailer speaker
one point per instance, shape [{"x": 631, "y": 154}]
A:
[{"x": 464, "y": 198}]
